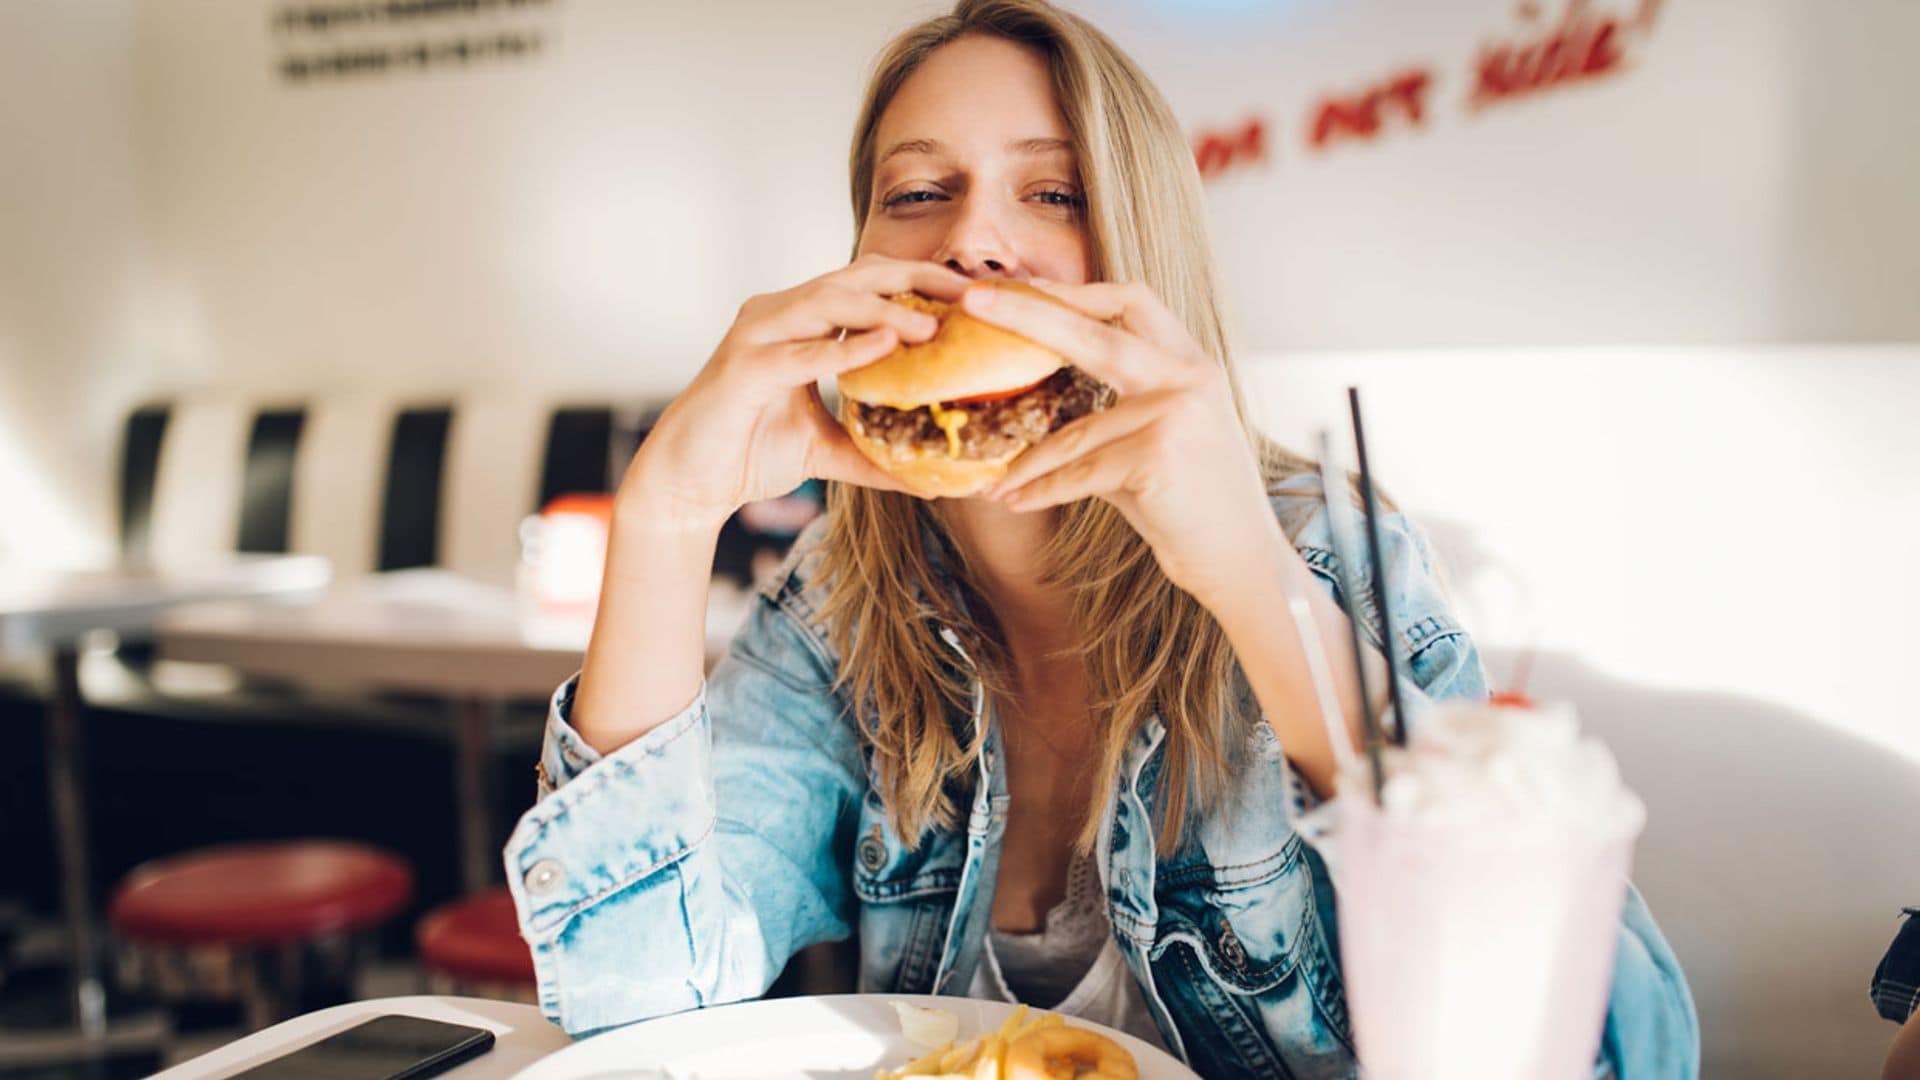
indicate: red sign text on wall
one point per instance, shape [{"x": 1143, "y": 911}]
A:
[{"x": 1540, "y": 54}]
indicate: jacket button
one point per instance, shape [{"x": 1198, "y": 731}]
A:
[
  {"x": 544, "y": 877},
  {"x": 873, "y": 853},
  {"x": 1231, "y": 948}
]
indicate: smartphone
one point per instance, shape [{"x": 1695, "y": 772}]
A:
[{"x": 383, "y": 1048}]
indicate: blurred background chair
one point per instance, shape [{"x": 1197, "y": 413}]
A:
[
  {"x": 280, "y": 928},
  {"x": 472, "y": 946}
]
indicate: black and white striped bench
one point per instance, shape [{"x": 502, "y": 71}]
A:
[{"x": 371, "y": 483}]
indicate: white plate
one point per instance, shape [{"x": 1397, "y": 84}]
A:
[{"x": 842, "y": 1037}]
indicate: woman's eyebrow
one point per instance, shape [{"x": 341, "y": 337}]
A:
[
  {"x": 1040, "y": 146},
  {"x": 934, "y": 147},
  {"x": 912, "y": 146}
]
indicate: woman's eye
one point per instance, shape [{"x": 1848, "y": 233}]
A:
[
  {"x": 907, "y": 198},
  {"x": 1061, "y": 198}
]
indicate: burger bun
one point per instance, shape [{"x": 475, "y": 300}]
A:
[{"x": 965, "y": 357}]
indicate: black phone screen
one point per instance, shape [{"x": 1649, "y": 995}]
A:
[{"x": 383, "y": 1048}]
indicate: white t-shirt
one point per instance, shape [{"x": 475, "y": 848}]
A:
[{"x": 1070, "y": 965}]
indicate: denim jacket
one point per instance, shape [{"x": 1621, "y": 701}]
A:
[{"x": 684, "y": 869}]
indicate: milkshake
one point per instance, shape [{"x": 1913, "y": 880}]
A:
[{"x": 1480, "y": 898}]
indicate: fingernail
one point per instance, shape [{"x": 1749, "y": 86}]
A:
[{"x": 980, "y": 297}]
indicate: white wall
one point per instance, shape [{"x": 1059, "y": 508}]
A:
[
  {"x": 593, "y": 215},
  {"x": 1747, "y": 178},
  {"x": 1726, "y": 519},
  {"x": 72, "y": 307}
]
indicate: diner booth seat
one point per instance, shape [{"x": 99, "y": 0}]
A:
[
  {"x": 372, "y": 482},
  {"x": 279, "y": 927}
]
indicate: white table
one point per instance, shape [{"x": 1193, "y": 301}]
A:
[
  {"x": 425, "y": 631},
  {"x": 521, "y": 1036},
  {"x": 422, "y": 631},
  {"x": 43, "y": 609}
]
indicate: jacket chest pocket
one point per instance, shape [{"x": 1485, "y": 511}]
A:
[
  {"x": 1250, "y": 941},
  {"x": 906, "y": 901},
  {"x": 1248, "y": 924},
  {"x": 887, "y": 871},
  {"x": 1245, "y": 882}
]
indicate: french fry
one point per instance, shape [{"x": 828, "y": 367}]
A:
[
  {"x": 921, "y": 1065},
  {"x": 991, "y": 1060},
  {"x": 1044, "y": 1020},
  {"x": 956, "y": 1059},
  {"x": 984, "y": 1058},
  {"x": 1014, "y": 1020}
]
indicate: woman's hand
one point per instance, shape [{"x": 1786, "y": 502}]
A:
[
  {"x": 751, "y": 425},
  {"x": 1170, "y": 455}
]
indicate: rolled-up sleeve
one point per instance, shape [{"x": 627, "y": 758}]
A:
[
  {"x": 1435, "y": 657},
  {"x": 683, "y": 869},
  {"x": 563, "y": 753},
  {"x": 1434, "y": 654},
  {"x": 1652, "y": 1032}
]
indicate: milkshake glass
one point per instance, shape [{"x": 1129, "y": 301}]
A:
[{"x": 1479, "y": 900}]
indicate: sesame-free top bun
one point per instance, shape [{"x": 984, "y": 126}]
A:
[{"x": 965, "y": 357}]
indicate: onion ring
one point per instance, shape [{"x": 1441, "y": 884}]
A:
[{"x": 1064, "y": 1053}]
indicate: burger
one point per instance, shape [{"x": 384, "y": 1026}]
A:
[{"x": 945, "y": 417}]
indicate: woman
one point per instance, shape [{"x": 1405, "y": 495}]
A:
[{"x": 1041, "y": 743}]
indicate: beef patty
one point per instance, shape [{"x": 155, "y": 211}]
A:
[{"x": 993, "y": 428}]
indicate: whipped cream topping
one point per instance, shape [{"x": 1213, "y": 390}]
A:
[{"x": 1505, "y": 768}]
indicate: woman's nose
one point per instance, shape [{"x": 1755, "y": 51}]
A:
[
  {"x": 976, "y": 245},
  {"x": 985, "y": 266}
]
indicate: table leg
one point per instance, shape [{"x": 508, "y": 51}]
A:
[
  {"x": 473, "y": 751},
  {"x": 66, "y": 779}
]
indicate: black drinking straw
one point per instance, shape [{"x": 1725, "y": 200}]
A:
[
  {"x": 1369, "y": 504},
  {"x": 1333, "y": 489}
]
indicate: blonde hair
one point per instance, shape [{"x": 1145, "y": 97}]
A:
[{"x": 1149, "y": 647}]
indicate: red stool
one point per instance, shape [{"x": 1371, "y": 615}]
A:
[
  {"x": 473, "y": 946},
  {"x": 263, "y": 923}
]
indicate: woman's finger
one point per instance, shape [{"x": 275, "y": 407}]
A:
[
  {"x": 832, "y": 455},
  {"x": 1135, "y": 306},
  {"x": 821, "y": 309},
  {"x": 811, "y": 361},
  {"x": 1116, "y": 356},
  {"x": 1081, "y": 437},
  {"x": 841, "y": 460},
  {"x": 1115, "y": 471},
  {"x": 855, "y": 298},
  {"x": 883, "y": 276}
]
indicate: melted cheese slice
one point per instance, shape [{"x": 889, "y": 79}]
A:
[{"x": 949, "y": 421}]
